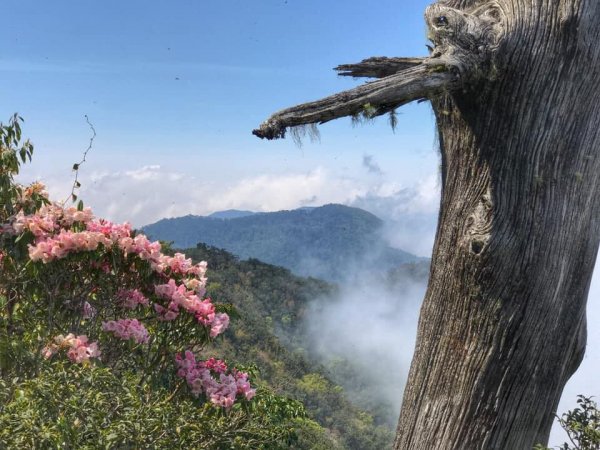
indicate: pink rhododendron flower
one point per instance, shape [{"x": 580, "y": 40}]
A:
[
  {"x": 181, "y": 296},
  {"x": 72, "y": 215},
  {"x": 49, "y": 351},
  {"x": 112, "y": 231},
  {"x": 179, "y": 264},
  {"x": 243, "y": 385},
  {"x": 166, "y": 290},
  {"x": 224, "y": 392},
  {"x": 205, "y": 313},
  {"x": 127, "y": 329},
  {"x": 216, "y": 365},
  {"x": 66, "y": 242},
  {"x": 49, "y": 219},
  {"x": 34, "y": 188},
  {"x": 203, "y": 310},
  {"x": 116, "y": 249},
  {"x": 88, "y": 311},
  {"x": 199, "y": 377},
  {"x": 167, "y": 314},
  {"x": 40, "y": 225},
  {"x": 219, "y": 324},
  {"x": 196, "y": 285},
  {"x": 131, "y": 298},
  {"x": 82, "y": 351},
  {"x": 79, "y": 350}
]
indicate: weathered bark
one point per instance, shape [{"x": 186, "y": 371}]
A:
[{"x": 502, "y": 326}]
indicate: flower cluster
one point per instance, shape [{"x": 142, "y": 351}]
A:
[
  {"x": 54, "y": 240},
  {"x": 111, "y": 258},
  {"x": 79, "y": 350},
  {"x": 55, "y": 237},
  {"x": 49, "y": 219},
  {"x": 64, "y": 243},
  {"x": 222, "y": 391},
  {"x": 131, "y": 298},
  {"x": 28, "y": 192},
  {"x": 127, "y": 329},
  {"x": 180, "y": 297}
]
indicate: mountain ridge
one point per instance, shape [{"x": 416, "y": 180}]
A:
[{"x": 325, "y": 242}]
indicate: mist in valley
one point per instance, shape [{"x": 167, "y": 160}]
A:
[{"x": 365, "y": 335}]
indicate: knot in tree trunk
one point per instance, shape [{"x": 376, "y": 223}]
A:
[{"x": 464, "y": 42}]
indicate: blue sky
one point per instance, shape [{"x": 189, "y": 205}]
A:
[
  {"x": 174, "y": 89},
  {"x": 179, "y": 86},
  {"x": 195, "y": 74}
]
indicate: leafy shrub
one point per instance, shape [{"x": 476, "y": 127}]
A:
[
  {"x": 101, "y": 334},
  {"x": 72, "y": 406}
]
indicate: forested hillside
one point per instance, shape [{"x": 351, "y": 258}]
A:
[
  {"x": 324, "y": 242},
  {"x": 273, "y": 303}
]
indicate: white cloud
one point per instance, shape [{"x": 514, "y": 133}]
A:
[
  {"x": 369, "y": 325},
  {"x": 371, "y": 165},
  {"x": 146, "y": 194},
  {"x": 277, "y": 192},
  {"x": 410, "y": 213}
]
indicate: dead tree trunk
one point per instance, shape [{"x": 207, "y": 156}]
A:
[{"x": 515, "y": 89}]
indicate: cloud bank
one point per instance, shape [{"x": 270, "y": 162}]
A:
[{"x": 146, "y": 194}]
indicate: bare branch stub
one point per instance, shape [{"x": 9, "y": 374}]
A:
[{"x": 377, "y": 67}]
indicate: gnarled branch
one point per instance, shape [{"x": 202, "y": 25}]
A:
[{"x": 381, "y": 96}]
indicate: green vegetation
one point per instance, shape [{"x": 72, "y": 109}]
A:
[
  {"x": 274, "y": 304},
  {"x": 582, "y": 425},
  {"x": 88, "y": 407},
  {"x": 95, "y": 319}
]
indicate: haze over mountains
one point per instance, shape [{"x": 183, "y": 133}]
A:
[{"x": 328, "y": 242}]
